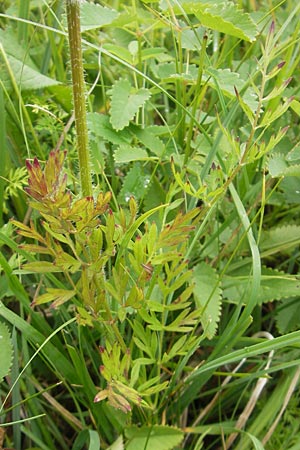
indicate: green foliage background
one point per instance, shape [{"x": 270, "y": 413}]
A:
[{"x": 163, "y": 310}]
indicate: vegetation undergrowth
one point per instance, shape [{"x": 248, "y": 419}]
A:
[{"x": 149, "y": 239}]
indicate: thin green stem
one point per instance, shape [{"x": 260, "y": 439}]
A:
[
  {"x": 3, "y": 151},
  {"x": 196, "y": 101}
]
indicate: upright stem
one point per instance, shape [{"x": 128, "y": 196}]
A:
[
  {"x": 3, "y": 151},
  {"x": 73, "y": 17}
]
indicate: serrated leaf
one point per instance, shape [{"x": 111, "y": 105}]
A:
[
  {"x": 6, "y": 351},
  {"x": 125, "y": 103},
  {"x": 279, "y": 239},
  {"x": 207, "y": 295},
  {"x": 148, "y": 139},
  {"x": 294, "y": 154},
  {"x": 156, "y": 437},
  {"x": 292, "y": 171},
  {"x": 100, "y": 128},
  {"x": 95, "y": 16},
  {"x": 275, "y": 285},
  {"x": 127, "y": 153},
  {"x": 224, "y": 17}
]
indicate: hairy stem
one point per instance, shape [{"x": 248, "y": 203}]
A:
[{"x": 73, "y": 16}]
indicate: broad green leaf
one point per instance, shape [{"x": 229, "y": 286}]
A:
[
  {"x": 117, "y": 445},
  {"x": 133, "y": 48},
  {"x": 289, "y": 192},
  {"x": 168, "y": 72},
  {"x": 294, "y": 154},
  {"x": 155, "y": 195},
  {"x": 191, "y": 39},
  {"x": 94, "y": 440},
  {"x": 154, "y": 52},
  {"x": 125, "y": 103},
  {"x": 26, "y": 74},
  {"x": 280, "y": 239},
  {"x": 157, "y": 437},
  {"x": 127, "y": 153},
  {"x": 279, "y": 167},
  {"x": 6, "y": 351},
  {"x": 100, "y": 128},
  {"x": 135, "y": 184},
  {"x": 120, "y": 51},
  {"x": 275, "y": 285},
  {"x": 288, "y": 315},
  {"x": 224, "y": 17},
  {"x": 227, "y": 81},
  {"x": 95, "y": 16},
  {"x": 148, "y": 139},
  {"x": 26, "y": 77},
  {"x": 207, "y": 295}
]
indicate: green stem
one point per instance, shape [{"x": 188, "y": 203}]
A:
[
  {"x": 73, "y": 17},
  {"x": 196, "y": 101},
  {"x": 3, "y": 151}
]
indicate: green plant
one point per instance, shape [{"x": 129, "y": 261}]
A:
[{"x": 184, "y": 248}]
